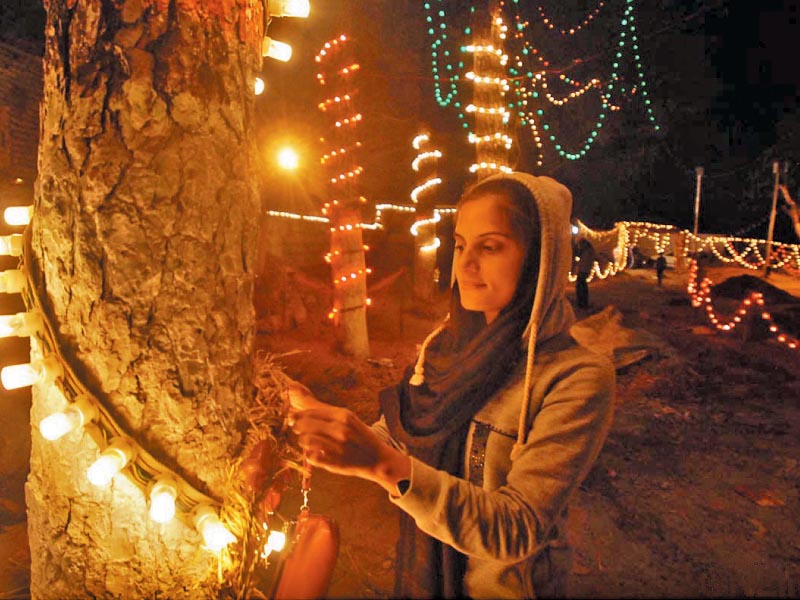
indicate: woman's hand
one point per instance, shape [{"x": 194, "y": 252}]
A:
[
  {"x": 336, "y": 440},
  {"x": 300, "y": 397}
]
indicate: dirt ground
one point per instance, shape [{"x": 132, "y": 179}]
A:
[{"x": 694, "y": 495}]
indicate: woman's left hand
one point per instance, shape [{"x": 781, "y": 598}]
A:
[{"x": 336, "y": 440}]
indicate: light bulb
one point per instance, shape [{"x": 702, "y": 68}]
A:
[
  {"x": 288, "y": 159},
  {"x": 22, "y": 324},
  {"x": 275, "y": 49},
  {"x": 18, "y": 215},
  {"x": 61, "y": 423},
  {"x": 111, "y": 461},
  {"x": 162, "y": 500},
  {"x": 12, "y": 281},
  {"x": 276, "y": 541},
  {"x": 289, "y": 8},
  {"x": 215, "y": 535},
  {"x": 11, "y": 245},
  {"x": 17, "y": 376},
  {"x": 258, "y": 86}
]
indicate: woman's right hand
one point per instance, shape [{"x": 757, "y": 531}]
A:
[
  {"x": 336, "y": 440},
  {"x": 300, "y": 397}
]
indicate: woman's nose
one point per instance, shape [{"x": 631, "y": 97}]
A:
[{"x": 468, "y": 260}]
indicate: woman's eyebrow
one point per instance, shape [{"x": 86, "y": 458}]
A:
[{"x": 485, "y": 233}]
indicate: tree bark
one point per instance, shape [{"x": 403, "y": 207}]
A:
[{"x": 143, "y": 239}]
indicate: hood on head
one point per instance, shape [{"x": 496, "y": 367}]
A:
[{"x": 551, "y": 313}]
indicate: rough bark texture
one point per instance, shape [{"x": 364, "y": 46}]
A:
[{"x": 145, "y": 231}]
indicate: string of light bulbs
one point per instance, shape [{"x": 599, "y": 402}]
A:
[
  {"x": 700, "y": 294},
  {"x": 169, "y": 495},
  {"x": 530, "y": 85},
  {"x": 272, "y": 48}
]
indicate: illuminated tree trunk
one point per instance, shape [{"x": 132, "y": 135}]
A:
[
  {"x": 337, "y": 69},
  {"x": 489, "y": 86},
  {"x": 143, "y": 240},
  {"x": 424, "y": 195}
]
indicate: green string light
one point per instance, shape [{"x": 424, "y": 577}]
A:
[{"x": 447, "y": 88}]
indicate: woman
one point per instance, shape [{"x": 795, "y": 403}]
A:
[{"x": 485, "y": 438}]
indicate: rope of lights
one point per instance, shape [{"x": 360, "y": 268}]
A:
[
  {"x": 423, "y": 195},
  {"x": 346, "y": 257},
  {"x": 170, "y": 494},
  {"x": 530, "y": 85},
  {"x": 271, "y": 48},
  {"x": 700, "y": 294},
  {"x": 575, "y": 28}
]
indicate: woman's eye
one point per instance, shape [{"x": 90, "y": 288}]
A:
[
  {"x": 459, "y": 247},
  {"x": 490, "y": 248}
]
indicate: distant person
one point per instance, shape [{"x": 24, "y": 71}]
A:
[
  {"x": 489, "y": 434},
  {"x": 586, "y": 259},
  {"x": 661, "y": 266}
]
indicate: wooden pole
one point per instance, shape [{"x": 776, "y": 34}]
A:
[
  {"x": 699, "y": 173},
  {"x": 767, "y": 255}
]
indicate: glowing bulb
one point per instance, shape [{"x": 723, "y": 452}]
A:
[
  {"x": 162, "y": 500},
  {"x": 275, "y": 543},
  {"x": 259, "y": 86},
  {"x": 288, "y": 159},
  {"x": 18, "y": 215},
  {"x": 575, "y": 230},
  {"x": 17, "y": 376},
  {"x": 12, "y": 281},
  {"x": 275, "y": 49},
  {"x": 289, "y": 8},
  {"x": 215, "y": 535},
  {"x": 22, "y": 324},
  {"x": 112, "y": 460},
  {"x": 11, "y": 245},
  {"x": 74, "y": 416}
]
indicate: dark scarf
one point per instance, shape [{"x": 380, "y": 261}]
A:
[{"x": 433, "y": 425}]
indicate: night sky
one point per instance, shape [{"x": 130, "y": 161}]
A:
[{"x": 722, "y": 77}]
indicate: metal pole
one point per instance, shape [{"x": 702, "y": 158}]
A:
[
  {"x": 699, "y": 172},
  {"x": 767, "y": 255}
]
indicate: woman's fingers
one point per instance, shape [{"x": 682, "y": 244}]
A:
[{"x": 300, "y": 397}]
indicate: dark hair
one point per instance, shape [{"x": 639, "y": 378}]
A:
[{"x": 487, "y": 352}]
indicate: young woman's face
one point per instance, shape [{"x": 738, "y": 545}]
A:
[{"x": 488, "y": 256}]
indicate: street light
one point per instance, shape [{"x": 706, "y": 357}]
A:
[{"x": 288, "y": 159}]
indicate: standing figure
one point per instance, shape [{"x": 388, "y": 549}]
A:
[
  {"x": 586, "y": 259},
  {"x": 491, "y": 431},
  {"x": 661, "y": 266}
]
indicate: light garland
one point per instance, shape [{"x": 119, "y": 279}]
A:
[
  {"x": 119, "y": 453},
  {"x": 346, "y": 256},
  {"x": 575, "y": 28},
  {"x": 530, "y": 83},
  {"x": 700, "y": 293}
]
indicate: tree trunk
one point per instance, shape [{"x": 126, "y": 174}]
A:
[
  {"x": 143, "y": 241},
  {"x": 425, "y": 196},
  {"x": 488, "y": 94},
  {"x": 338, "y": 68}
]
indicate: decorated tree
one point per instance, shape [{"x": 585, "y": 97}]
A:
[
  {"x": 424, "y": 196},
  {"x": 338, "y": 67},
  {"x": 136, "y": 272}
]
